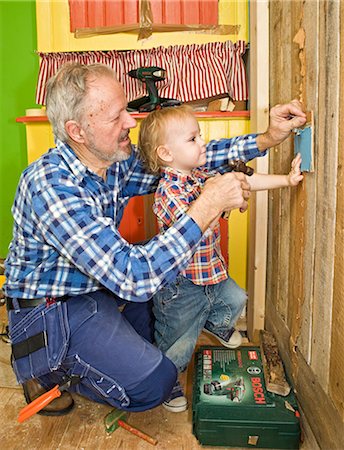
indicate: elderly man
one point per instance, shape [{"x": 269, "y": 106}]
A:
[{"x": 78, "y": 293}]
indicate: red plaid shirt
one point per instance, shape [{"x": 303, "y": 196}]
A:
[{"x": 175, "y": 193}]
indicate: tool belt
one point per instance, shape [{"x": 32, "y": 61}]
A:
[
  {"x": 39, "y": 332},
  {"x": 30, "y": 345},
  {"x": 39, "y": 340},
  {"x": 32, "y": 303}
]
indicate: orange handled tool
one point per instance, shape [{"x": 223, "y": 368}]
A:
[
  {"x": 39, "y": 403},
  {"x": 113, "y": 420},
  {"x": 43, "y": 400}
]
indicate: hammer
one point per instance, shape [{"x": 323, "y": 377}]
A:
[
  {"x": 239, "y": 166},
  {"x": 116, "y": 418}
]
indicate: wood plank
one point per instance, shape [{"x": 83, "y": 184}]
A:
[
  {"x": 274, "y": 374},
  {"x": 96, "y": 14},
  {"x": 311, "y": 24},
  {"x": 329, "y": 81},
  {"x": 298, "y": 196},
  {"x": 284, "y": 68},
  {"x": 77, "y": 14},
  {"x": 311, "y": 334},
  {"x": 158, "y": 11},
  {"x": 273, "y": 276},
  {"x": 131, "y": 12},
  {"x": 172, "y": 12},
  {"x": 309, "y": 441},
  {"x": 114, "y": 13},
  {"x": 190, "y": 11},
  {"x": 336, "y": 385},
  {"x": 325, "y": 421},
  {"x": 209, "y": 12},
  {"x": 259, "y": 75}
]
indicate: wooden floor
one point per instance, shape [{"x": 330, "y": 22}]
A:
[{"x": 83, "y": 428}]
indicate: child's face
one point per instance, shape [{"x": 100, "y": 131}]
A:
[{"x": 185, "y": 144}]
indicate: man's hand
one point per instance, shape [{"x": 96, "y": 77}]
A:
[
  {"x": 283, "y": 119},
  {"x": 220, "y": 193}
]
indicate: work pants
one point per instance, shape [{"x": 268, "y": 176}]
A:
[{"x": 110, "y": 350}]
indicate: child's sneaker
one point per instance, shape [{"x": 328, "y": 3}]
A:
[
  {"x": 176, "y": 402},
  {"x": 230, "y": 339}
]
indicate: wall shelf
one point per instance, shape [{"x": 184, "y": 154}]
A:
[{"x": 201, "y": 115}]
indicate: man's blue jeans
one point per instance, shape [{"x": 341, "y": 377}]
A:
[
  {"x": 108, "y": 349},
  {"x": 182, "y": 309}
]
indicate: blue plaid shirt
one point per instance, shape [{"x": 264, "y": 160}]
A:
[{"x": 66, "y": 218}]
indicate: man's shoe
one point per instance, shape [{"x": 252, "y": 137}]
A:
[
  {"x": 58, "y": 407},
  {"x": 230, "y": 339},
  {"x": 176, "y": 402}
]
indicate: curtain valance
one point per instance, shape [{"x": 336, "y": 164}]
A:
[{"x": 193, "y": 72}]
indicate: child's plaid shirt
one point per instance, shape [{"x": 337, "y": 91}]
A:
[{"x": 175, "y": 193}]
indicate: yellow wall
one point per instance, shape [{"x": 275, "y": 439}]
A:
[
  {"x": 53, "y": 33},
  {"x": 40, "y": 138}
]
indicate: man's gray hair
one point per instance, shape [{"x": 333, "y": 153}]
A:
[{"x": 67, "y": 94}]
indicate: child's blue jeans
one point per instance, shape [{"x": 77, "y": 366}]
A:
[{"x": 182, "y": 309}]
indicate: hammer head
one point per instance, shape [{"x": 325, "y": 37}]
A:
[
  {"x": 240, "y": 166},
  {"x": 111, "y": 419}
]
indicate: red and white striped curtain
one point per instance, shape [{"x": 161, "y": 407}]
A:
[{"x": 193, "y": 72}]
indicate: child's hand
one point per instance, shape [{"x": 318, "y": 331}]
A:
[{"x": 295, "y": 175}]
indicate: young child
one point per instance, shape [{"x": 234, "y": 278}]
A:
[{"x": 203, "y": 296}]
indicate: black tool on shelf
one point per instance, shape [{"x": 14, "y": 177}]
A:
[{"x": 149, "y": 76}]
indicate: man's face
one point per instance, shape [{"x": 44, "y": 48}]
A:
[{"x": 106, "y": 122}]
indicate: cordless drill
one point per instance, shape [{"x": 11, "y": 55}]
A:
[{"x": 149, "y": 76}]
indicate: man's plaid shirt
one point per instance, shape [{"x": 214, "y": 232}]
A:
[
  {"x": 66, "y": 218},
  {"x": 173, "y": 197}
]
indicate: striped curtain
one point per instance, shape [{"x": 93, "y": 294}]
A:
[{"x": 193, "y": 72}]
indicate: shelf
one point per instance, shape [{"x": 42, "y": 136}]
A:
[{"x": 201, "y": 115}]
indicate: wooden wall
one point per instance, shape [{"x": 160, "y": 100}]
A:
[{"x": 305, "y": 272}]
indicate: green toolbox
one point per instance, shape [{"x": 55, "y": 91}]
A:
[{"x": 231, "y": 406}]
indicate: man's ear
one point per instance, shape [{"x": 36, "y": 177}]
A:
[
  {"x": 164, "y": 154},
  {"x": 74, "y": 131}
]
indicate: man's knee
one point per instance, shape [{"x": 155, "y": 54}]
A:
[{"x": 154, "y": 389}]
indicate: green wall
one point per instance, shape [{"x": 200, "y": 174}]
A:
[{"x": 18, "y": 75}]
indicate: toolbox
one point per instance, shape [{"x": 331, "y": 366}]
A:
[{"x": 231, "y": 406}]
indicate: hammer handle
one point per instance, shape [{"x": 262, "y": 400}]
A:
[
  {"x": 39, "y": 403},
  {"x": 137, "y": 432}
]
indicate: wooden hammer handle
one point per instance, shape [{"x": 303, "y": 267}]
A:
[{"x": 137, "y": 432}]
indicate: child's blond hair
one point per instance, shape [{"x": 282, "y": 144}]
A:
[{"x": 154, "y": 130}]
